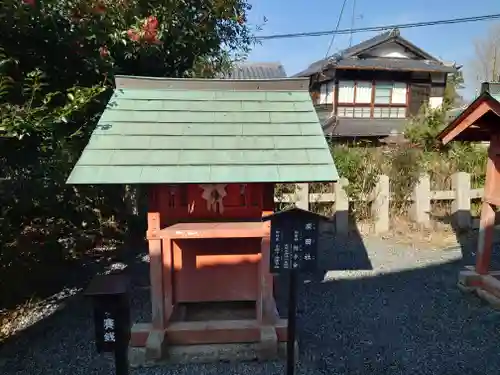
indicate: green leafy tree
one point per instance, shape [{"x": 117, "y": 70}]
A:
[
  {"x": 57, "y": 64},
  {"x": 424, "y": 128},
  {"x": 455, "y": 82},
  {"x": 84, "y": 43}
]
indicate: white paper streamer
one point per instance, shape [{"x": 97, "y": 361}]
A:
[{"x": 214, "y": 194}]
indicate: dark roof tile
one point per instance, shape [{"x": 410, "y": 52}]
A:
[
  {"x": 257, "y": 71},
  {"x": 369, "y": 43},
  {"x": 354, "y": 127},
  {"x": 346, "y": 56},
  {"x": 400, "y": 64}
]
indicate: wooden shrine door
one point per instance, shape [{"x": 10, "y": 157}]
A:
[{"x": 207, "y": 202}]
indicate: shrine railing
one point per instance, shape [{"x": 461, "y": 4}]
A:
[{"x": 421, "y": 199}]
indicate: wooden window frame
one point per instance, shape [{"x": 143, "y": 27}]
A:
[
  {"x": 372, "y": 104},
  {"x": 354, "y": 104}
]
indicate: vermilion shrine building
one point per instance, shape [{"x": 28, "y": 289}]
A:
[
  {"x": 210, "y": 152},
  {"x": 480, "y": 123}
]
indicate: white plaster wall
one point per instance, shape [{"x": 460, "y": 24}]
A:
[
  {"x": 326, "y": 92},
  {"x": 435, "y": 101},
  {"x": 391, "y": 50}
]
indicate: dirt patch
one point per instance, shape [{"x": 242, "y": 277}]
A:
[{"x": 436, "y": 235}]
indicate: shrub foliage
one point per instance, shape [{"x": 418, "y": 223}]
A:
[{"x": 57, "y": 63}]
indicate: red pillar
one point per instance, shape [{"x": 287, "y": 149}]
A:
[
  {"x": 491, "y": 199},
  {"x": 485, "y": 240}
]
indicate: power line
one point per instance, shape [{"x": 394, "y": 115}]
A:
[
  {"x": 380, "y": 28},
  {"x": 336, "y": 28}
]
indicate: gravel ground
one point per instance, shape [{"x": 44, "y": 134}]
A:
[{"x": 405, "y": 316}]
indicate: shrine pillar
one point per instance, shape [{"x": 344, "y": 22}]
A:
[
  {"x": 491, "y": 199},
  {"x": 479, "y": 123}
]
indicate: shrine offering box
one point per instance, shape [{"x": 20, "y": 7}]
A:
[{"x": 110, "y": 301}]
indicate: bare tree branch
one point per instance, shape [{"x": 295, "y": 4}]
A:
[{"x": 485, "y": 66}]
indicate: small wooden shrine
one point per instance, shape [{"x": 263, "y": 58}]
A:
[
  {"x": 210, "y": 152},
  {"x": 480, "y": 122}
]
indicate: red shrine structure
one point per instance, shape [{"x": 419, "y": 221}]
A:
[
  {"x": 209, "y": 153},
  {"x": 480, "y": 123}
]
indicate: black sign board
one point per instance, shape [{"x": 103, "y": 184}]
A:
[
  {"x": 112, "y": 323},
  {"x": 295, "y": 235},
  {"x": 294, "y": 240},
  {"x": 111, "y": 317}
]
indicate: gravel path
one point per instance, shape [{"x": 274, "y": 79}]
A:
[{"x": 405, "y": 316}]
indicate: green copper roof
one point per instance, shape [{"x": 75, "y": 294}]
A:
[{"x": 157, "y": 130}]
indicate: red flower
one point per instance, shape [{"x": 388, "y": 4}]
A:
[
  {"x": 30, "y": 2},
  {"x": 151, "y": 23},
  {"x": 150, "y": 36},
  {"x": 133, "y": 35},
  {"x": 99, "y": 8},
  {"x": 150, "y": 29},
  {"x": 104, "y": 52},
  {"x": 148, "y": 32}
]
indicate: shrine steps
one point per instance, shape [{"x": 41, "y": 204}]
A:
[
  {"x": 207, "y": 332},
  {"x": 207, "y": 353},
  {"x": 208, "y": 341}
]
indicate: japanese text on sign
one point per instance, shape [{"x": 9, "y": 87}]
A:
[
  {"x": 293, "y": 245},
  {"x": 109, "y": 328}
]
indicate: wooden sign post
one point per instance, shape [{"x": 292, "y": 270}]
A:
[
  {"x": 111, "y": 317},
  {"x": 294, "y": 249}
]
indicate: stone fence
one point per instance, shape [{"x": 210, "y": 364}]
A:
[{"x": 420, "y": 207}]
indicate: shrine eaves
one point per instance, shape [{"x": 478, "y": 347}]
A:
[{"x": 157, "y": 130}]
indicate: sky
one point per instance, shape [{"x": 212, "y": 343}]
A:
[{"x": 447, "y": 42}]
